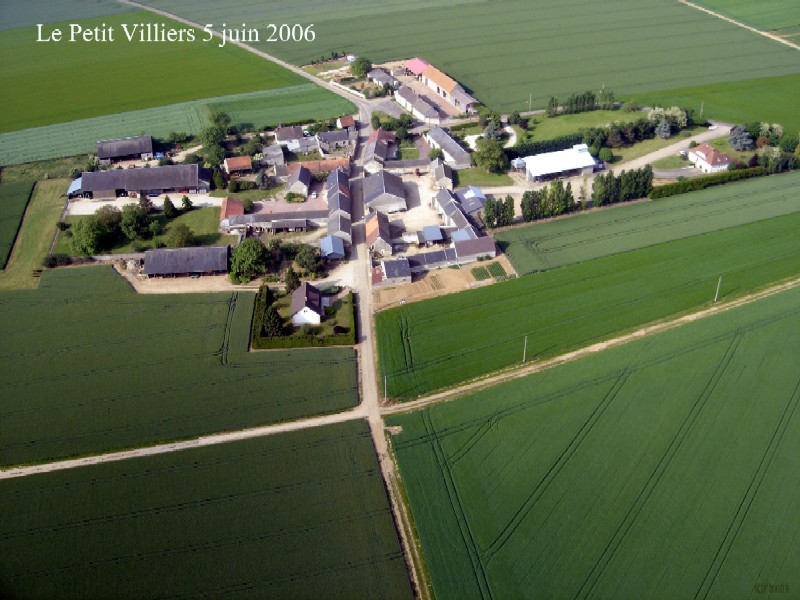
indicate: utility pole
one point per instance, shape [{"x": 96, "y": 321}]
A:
[
  {"x": 525, "y": 350},
  {"x": 719, "y": 283},
  {"x": 530, "y": 97}
]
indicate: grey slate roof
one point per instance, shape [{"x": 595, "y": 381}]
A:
[
  {"x": 142, "y": 144},
  {"x": 307, "y": 295},
  {"x": 471, "y": 198},
  {"x": 331, "y": 247},
  {"x": 336, "y": 178},
  {"x": 378, "y": 145},
  {"x": 339, "y": 201},
  {"x": 418, "y": 103},
  {"x": 396, "y": 268},
  {"x": 301, "y": 175},
  {"x": 286, "y": 134},
  {"x": 339, "y": 224},
  {"x": 264, "y": 219},
  {"x": 432, "y": 233},
  {"x": 477, "y": 247},
  {"x": 448, "y": 145},
  {"x": 155, "y": 178},
  {"x": 382, "y": 183},
  {"x": 274, "y": 155},
  {"x": 382, "y": 77},
  {"x": 441, "y": 171},
  {"x": 433, "y": 259},
  {"x": 180, "y": 261}
]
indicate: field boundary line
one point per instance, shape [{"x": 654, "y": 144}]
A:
[
  {"x": 199, "y": 442},
  {"x": 771, "y": 36},
  {"x": 519, "y": 372}
]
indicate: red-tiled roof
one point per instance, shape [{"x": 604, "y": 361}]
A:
[
  {"x": 238, "y": 163},
  {"x": 712, "y": 156},
  {"x": 348, "y": 121},
  {"x": 231, "y": 207}
]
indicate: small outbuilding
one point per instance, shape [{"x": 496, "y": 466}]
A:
[
  {"x": 129, "y": 148},
  {"x": 332, "y": 247},
  {"x": 237, "y": 165}
]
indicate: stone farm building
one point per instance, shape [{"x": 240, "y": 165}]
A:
[
  {"x": 174, "y": 262},
  {"x": 442, "y": 175},
  {"x": 299, "y": 181},
  {"x": 418, "y": 106},
  {"x": 115, "y": 183},
  {"x": 708, "y": 159},
  {"x": 129, "y": 148},
  {"x": 563, "y": 163},
  {"x": 307, "y": 306},
  {"x": 454, "y": 154},
  {"x": 237, "y": 165},
  {"x": 381, "y": 77},
  {"x": 380, "y": 147},
  {"x": 378, "y": 233},
  {"x": 391, "y": 272},
  {"x": 447, "y": 88},
  {"x": 384, "y": 191}
]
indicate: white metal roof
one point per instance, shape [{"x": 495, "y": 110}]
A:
[{"x": 577, "y": 157}]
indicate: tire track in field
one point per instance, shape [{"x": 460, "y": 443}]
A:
[
  {"x": 752, "y": 490},
  {"x": 552, "y": 473},
  {"x": 686, "y": 426},
  {"x": 226, "y": 335},
  {"x": 458, "y": 510}
]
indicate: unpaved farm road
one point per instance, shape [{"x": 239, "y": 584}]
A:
[
  {"x": 771, "y": 36},
  {"x": 369, "y": 412}
]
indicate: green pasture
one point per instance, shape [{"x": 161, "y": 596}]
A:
[
  {"x": 203, "y": 221},
  {"x": 525, "y": 49},
  {"x": 13, "y": 202},
  {"x": 771, "y": 99},
  {"x": 23, "y": 13},
  {"x": 556, "y": 243},
  {"x": 775, "y": 15},
  {"x": 547, "y": 128},
  {"x": 665, "y": 468},
  {"x": 424, "y": 346},
  {"x": 267, "y": 108},
  {"x": 296, "y": 515},
  {"x": 48, "y": 83},
  {"x": 91, "y": 367}
]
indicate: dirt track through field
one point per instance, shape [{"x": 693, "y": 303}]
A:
[{"x": 771, "y": 36}]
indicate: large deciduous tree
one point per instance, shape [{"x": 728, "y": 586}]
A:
[
  {"x": 249, "y": 259},
  {"x": 490, "y": 156}
]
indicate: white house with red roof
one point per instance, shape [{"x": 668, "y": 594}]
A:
[{"x": 708, "y": 159}]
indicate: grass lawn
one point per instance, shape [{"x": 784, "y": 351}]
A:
[
  {"x": 542, "y": 127},
  {"x": 722, "y": 145},
  {"x": 437, "y": 343},
  {"x": 480, "y": 177},
  {"x": 294, "y": 515},
  {"x": 53, "y": 168},
  {"x": 159, "y": 74},
  {"x": 35, "y": 235},
  {"x": 96, "y": 367},
  {"x": 254, "y": 195},
  {"x": 623, "y": 155},
  {"x": 671, "y": 162},
  {"x": 408, "y": 151},
  {"x": 203, "y": 221},
  {"x": 666, "y": 468},
  {"x": 339, "y": 314}
]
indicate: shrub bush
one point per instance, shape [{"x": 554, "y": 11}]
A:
[{"x": 700, "y": 183}]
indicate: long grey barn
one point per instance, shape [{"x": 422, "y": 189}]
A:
[
  {"x": 121, "y": 182},
  {"x": 211, "y": 260},
  {"x": 139, "y": 147}
]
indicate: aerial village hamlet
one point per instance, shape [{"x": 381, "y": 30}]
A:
[{"x": 390, "y": 328}]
